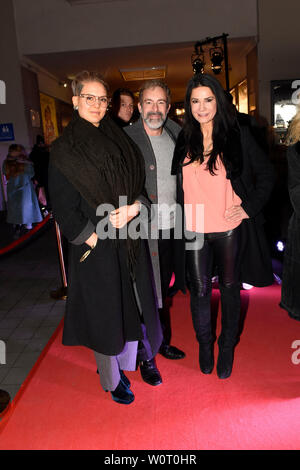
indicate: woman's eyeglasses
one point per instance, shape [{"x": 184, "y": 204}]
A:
[{"x": 91, "y": 100}]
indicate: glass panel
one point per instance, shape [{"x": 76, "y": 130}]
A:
[
  {"x": 233, "y": 94},
  {"x": 243, "y": 97},
  {"x": 285, "y": 96}
]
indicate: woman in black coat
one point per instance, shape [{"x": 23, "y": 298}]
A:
[
  {"x": 94, "y": 169},
  {"x": 219, "y": 167},
  {"x": 290, "y": 293}
]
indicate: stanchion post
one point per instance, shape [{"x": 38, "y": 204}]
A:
[{"x": 61, "y": 255}]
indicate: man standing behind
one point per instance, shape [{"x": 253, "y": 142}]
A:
[
  {"x": 156, "y": 136},
  {"x": 122, "y": 106}
]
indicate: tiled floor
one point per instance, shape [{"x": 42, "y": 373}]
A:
[{"x": 28, "y": 315}]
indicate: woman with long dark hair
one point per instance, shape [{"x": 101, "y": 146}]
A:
[{"x": 221, "y": 169}]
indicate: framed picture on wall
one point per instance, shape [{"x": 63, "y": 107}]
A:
[{"x": 49, "y": 120}]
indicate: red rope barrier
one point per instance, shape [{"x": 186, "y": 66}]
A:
[{"x": 24, "y": 237}]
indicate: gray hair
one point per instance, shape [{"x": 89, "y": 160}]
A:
[
  {"x": 153, "y": 84},
  {"x": 85, "y": 76}
]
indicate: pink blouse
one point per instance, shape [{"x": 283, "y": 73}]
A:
[{"x": 207, "y": 197}]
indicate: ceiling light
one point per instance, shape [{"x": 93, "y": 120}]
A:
[{"x": 146, "y": 73}]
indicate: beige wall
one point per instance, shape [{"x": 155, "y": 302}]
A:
[
  {"x": 10, "y": 72},
  {"x": 252, "y": 80},
  {"x": 51, "y": 26},
  {"x": 278, "y": 47}
]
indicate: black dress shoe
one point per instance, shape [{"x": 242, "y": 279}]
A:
[
  {"x": 122, "y": 394},
  {"x": 225, "y": 363},
  {"x": 149, "y": 372},
  {"x": 171, "y": 352},
  {"x": 206, "y": 358}
]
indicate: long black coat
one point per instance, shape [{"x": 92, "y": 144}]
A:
[
  {"x": 100, "y": 292},
  {"x": 290, "y": 293},
  {"x": 253, "y": 184}
]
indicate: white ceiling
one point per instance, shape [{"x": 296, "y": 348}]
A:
[{"x": 86, "y": 2}]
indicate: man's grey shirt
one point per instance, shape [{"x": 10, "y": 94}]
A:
[{"x": 163, "y": 148}]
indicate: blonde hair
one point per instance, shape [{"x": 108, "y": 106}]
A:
[
  {"x": 84, "y": 77},
  {"x": 293, "y": 133}
]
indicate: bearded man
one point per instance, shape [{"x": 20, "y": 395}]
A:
[{"x": 156, "y": 135}]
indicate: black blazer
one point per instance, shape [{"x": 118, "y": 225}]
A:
[
  {"x": 252, "y": 180},
  {"x": 290, "y": 292}
]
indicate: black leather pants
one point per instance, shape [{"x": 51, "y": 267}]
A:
[{"x": 219, "y": 250}]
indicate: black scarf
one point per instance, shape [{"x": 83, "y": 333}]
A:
[{"x": 102, "y": 163}]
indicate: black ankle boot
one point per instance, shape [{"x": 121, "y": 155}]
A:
[
  {"x": 225, "y": 363},
  {"x": 206, "y": 358},
  {"x": 122, "y": 394},
  {"x": 125, "y": 379}
]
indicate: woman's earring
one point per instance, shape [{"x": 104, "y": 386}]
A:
[{"x": 76, "y": 108}]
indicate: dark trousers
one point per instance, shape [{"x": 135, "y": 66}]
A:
[
  {"x": 166, "y": 256},
  {"x": 221, "y": 250},
  {"x": 165, "y": 250}
]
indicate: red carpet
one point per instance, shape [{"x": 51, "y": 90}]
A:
[{"x": 258, "y": 407}]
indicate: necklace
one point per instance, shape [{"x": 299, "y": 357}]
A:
[{"x": 207, "y": 151}]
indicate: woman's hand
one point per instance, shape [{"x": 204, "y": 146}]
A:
[
  {"x": 121, "y": 216},
  {"x": 92, "y": 240},
  {"x": 235, "y": 214}
]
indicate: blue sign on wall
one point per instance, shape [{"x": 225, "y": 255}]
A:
[{"x": 6, "y": 132}]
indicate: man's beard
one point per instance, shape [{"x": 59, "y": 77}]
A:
[{"x": 154, "y": 124}]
